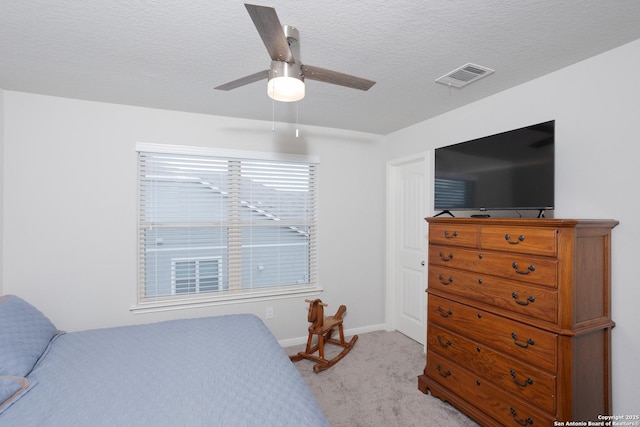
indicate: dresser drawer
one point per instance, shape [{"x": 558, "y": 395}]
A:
[
  {"x": 502, "y": 406},
  {"x": 535, "y": 241},
  {"x": 533, "y": 385},
  {"x": 527, "y": 343},
  {"x": 521, "y": 267},
  {"x": 535, "y": 301},
  {"x": 457, "y": 235}
]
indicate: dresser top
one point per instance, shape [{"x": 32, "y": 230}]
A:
[{"x": 528, "y": 222}]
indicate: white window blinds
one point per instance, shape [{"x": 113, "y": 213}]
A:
[{"x": 216, "y": 224}]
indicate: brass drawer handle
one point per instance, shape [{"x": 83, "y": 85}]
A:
[
  {"x": 521, "y": 422},
  {"x": 443, "y": 344},
  {"x": 521, "y": 344},
  {"x": 442, "y": 374},
  {"x": 526, "y": 382},
  {"x": 525, "y": 302},
  {"x": 447, "y": 258},
  {"x": 507, "y": 237},
  {"x": 445, "y": 282},
  {"x": 527, "y": 271},
  {"x": 450, "y": 236},
  {"x": 444, "y": 313}
]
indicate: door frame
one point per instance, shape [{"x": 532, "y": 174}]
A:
[{"x": 391, "y": 227}]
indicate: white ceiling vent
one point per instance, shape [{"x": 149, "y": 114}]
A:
[{"x": 464, "y": 75}]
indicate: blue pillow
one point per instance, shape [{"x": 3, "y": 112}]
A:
[
  {"x": 24, "y": 336},
  {"x": 12, "y": 389}
]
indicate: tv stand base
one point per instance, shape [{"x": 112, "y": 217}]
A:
[{"x": 445, "y": 212}]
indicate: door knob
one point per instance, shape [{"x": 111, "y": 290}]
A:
[{"x": 422, "y": 263}]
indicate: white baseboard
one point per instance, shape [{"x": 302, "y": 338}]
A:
[{"x": 347, "y": 333}]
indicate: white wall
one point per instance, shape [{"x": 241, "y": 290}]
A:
[
  {"x": 597, "y": 171},
  {"x": 70, "y": 209}
]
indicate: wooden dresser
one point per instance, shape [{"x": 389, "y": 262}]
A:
[{"x": 519, "y": 319}]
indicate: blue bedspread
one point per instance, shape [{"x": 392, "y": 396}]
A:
[{"x": 216, "y": 371}]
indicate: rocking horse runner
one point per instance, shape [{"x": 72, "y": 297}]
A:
[{"x": 323, "y": 328}]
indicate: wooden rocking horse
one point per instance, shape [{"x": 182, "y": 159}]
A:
[{"x": 323, "y": 328}]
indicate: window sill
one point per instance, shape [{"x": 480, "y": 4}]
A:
[{"x": 154, "y": 306}]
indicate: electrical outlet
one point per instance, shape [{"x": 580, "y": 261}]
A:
[{"x": 268, "y": 313}]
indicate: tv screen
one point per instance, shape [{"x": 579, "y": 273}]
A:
[{"x": 509, "y": 170}]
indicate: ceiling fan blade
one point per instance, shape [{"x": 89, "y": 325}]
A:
[
  {"x": 244, "y": 80},
  {"x": 323, "y": 75},
  {"x": 268, "y": 25}
]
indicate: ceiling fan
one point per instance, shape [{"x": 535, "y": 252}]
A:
[{"x": 287, "y": 74}]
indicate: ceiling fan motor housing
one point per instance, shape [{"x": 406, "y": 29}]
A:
[{"x": 285, "y": 69}]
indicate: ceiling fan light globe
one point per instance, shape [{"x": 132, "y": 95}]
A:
[{"x": 285, "y": 89}]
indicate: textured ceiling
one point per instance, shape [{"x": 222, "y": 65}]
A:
[{"x": 171, "y": 54}]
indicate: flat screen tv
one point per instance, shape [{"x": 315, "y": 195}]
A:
[{"x": 510, "y": 170}]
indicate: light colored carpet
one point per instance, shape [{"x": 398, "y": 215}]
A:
[{"x": 376, "y": 384}]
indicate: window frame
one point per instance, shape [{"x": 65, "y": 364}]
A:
[{"x": 231, "y": 295}]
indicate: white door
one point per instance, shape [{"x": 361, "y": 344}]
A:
[{"x": 410, "y": 237}]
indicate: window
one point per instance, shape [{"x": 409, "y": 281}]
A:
[
  {"x": 195, "y": 275},
  {"x": 217, "y": 225}
]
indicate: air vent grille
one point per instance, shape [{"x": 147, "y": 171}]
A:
[{"x": 464, "y": 75}]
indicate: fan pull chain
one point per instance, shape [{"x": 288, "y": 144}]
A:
[
  {"x": 273, "y": 115},
  {"x": 297, "y": 121}
]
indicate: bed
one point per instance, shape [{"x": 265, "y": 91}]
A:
[{"x": 214, "y": 371}]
